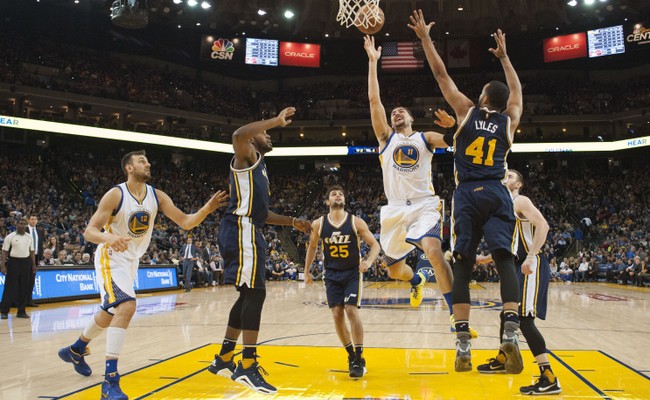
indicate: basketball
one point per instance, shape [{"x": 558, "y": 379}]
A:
[{"x": 366, "y": 21}]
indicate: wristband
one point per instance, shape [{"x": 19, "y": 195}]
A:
[{"x": 293, "y": 222}]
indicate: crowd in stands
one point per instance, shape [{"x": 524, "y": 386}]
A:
[
  {"x": 599, "y": 221},
  {"x": 88, "y": 72}
]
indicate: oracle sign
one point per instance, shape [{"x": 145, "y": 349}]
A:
[
  {"x": 565, "y": 47},
  {"x": 300, "y": 54}
]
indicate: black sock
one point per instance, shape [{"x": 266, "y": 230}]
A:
[
  {"x": 358, "y": 350},
  {"x": 227, "y": 346},
  {"x": 462, "y": 326},
  {"x": 350, "y": 349},
  {"x": 545, "y": 366},
  {"x": 511, "y": 316}
]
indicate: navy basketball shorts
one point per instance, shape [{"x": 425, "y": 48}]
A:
[
  {"x": 343, "y": 287},
  {"x": 243, "y": 250},
  {"x": 483, "y": 209}
]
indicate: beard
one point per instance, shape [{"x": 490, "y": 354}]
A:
[{"x": 142, "y": 176}]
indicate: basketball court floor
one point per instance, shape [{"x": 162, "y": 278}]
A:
[{"x": 599, "y": 335}]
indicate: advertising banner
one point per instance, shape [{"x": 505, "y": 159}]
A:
[
  {"x": 300, "y": 54},
  {"x": 54, "y": 283},
  {"x": 222, "y": 49},
  {"x": 565, "y": 47},
  {"x": 637, "y": 35}
]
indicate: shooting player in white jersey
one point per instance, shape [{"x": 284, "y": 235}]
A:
[
  {"x": 412, "y": 216},
  {"x": 122, "y": 227}
]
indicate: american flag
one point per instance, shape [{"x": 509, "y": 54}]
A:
[{"x": 399, "y": 56}]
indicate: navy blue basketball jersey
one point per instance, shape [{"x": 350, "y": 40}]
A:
[
  {"x": 481, "y": 146},
  {"x": 340, "y": 243},
  {"x": 249, "y": 192}
]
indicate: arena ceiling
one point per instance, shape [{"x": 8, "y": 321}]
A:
[{"x": 314, "y": 18}]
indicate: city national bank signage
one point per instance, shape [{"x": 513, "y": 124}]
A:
[
  {"x": 300, "y": 54},
  {"x": 59, "y": 283},
  {"x": 565, "y": 47}
]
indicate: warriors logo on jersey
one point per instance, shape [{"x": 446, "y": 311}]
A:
[
  {"x": 138, "y": 224},
  {"x": 406, "y": 157}
]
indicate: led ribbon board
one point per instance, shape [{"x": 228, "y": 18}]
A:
[{"x": 194, "y": 144}]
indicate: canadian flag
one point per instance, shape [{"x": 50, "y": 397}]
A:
[{"x": 458, "y": 54}]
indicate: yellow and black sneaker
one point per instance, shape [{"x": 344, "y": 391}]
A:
[
  {"x": 495, "y": 365},
  {"x": 546, "y": 384}
]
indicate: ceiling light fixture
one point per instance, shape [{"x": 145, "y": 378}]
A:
[
  {"x": 288, "y": 14},
  {"x": 261, "y": 12},
  {"x": 192, "y": 3},
  {"x": 205, "y": 5},
  {"x": 572, "y": 3}
]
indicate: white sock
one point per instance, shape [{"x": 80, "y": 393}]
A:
[
  {"x": 92, "y": 330},
  {"x": 114, "y": 341}
]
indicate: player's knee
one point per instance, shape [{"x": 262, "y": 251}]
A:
[
  {"x": 126, "y": 309},
  {"x": 251, "y": 314},
  {"x": 338, "y": 312},
  {"x": 535, "y": 340},
  {"x": 352, "y": 311}
]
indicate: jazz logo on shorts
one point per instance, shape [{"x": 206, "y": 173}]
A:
[
  {"x": 406, "y": 156},
  {"x": 139, "y": 223}
]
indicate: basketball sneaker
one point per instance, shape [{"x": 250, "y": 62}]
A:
[
  {"x": 252, "y": 378},
  {"x": 221, "y": 367},
  {"x": 495, "y": 365},
  {"x": 111, "y": 388},
  {"x": 416, "y": 290},
  {"x": 452, "y": 329},
  {"x": 546, "y": 384},
  {"x": 463, "y": 353},
  {"x": 510, "y": 346},
  {"x": 357, "y": 367},
  {"x": 70, "y": 356}
]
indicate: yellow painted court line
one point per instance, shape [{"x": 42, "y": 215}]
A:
[{"x": 302, "y": 372}]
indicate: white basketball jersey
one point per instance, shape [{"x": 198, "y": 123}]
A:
[
  {"x": 406, "y": 167},
  {"x": 135, "y": 220}
]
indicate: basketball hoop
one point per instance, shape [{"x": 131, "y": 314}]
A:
[{"x": 349, "y": 10}]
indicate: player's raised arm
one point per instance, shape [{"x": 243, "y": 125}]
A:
[
  {"x": 515, "y": 105},
  {"x": 457, "y": 100},
  {"x": 241, "y": 140},
  {"x": 377, "y": 112}
]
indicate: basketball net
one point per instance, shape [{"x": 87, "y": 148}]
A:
[{"x": 348, "y": 10}]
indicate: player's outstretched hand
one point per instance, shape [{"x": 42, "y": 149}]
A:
[
  {"x": 419, "y": 25},
  {"x": 285, "y": 115},
  {"x": 500, "y": 51},
  {"x": 369, "y": 44},
  {"x": 444, "y": 120},
  {"x": 218, "y": 200},
  {"x": 302, "y": 225}
]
